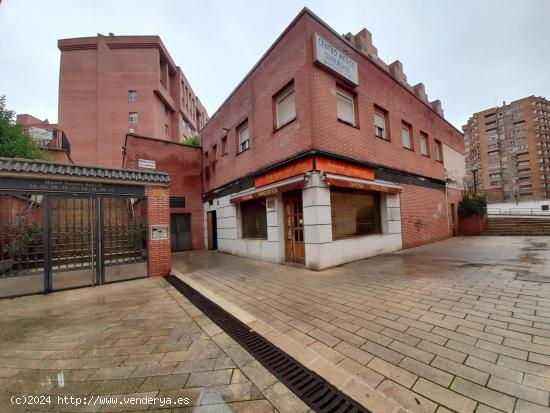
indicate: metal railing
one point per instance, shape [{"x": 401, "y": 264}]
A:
[{"x": 518, "y": 211}]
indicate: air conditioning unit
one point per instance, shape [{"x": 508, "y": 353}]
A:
[{"x": 131, "y": 131}]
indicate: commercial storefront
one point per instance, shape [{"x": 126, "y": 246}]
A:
[{"x": 324, "y": 154}]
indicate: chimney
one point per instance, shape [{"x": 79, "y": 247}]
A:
[
  {"x": 420, "y": 91},
  {"x": 436, "y": 106}
]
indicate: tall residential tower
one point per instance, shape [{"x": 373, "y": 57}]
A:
[{"x": 508, "y": 151}]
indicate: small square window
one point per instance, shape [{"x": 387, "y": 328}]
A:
[
  {"x": 345, "y": 106},
  {"x": 244, "y": 137},
  {"x": 132, "y": 95},
  {"x": 133, "y": 117},
  {"x": 285, "y": 106}
]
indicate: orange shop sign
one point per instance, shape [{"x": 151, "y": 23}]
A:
[
  {"x": 296, "y": 168},
  {"x": 343, "y": 168}
]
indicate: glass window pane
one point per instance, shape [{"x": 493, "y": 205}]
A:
[
  {"x": 254, "y": 219},
  {"x": 354, "y": 212},
  {"x": 406, "y": 137}
]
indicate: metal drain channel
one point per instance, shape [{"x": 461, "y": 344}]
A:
[{"x": 311, "y": 388}]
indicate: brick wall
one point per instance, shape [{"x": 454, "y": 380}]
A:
[
  {"x": 316, "y": 125},
  {"x": 184, "y": 165},
  {"x": 158, "y": 213},
  {"x": 423, "y": 215}
]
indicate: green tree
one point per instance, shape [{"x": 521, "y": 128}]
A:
[
  {"x": 193, "y": 140},
  {"x": 14, "y": 143}
]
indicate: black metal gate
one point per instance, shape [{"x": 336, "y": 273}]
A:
[{"x": 54, "y": 242}]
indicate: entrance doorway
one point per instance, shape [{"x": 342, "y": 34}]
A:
[
  {"x": 212, "y": 230},
  {"x": 294, "y": 228},
  {"x": 180, "y": 225}
]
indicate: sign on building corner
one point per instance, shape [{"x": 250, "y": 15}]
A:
[{"x": 327, "y": 55}]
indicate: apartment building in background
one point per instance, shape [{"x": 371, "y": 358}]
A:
[
  {"x": 507, "y": 151},
  {"x": 324, "y": 154},
  {"x": 48, "y": 136},
  {"x": 113, "y": 85}
]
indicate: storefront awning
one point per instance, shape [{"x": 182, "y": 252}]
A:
[
  {"x": 270, "y": 190},
  {"x": 365, "y": 185}
]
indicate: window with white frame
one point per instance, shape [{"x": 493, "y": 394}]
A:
[
  {"x": 345, "y": 106},
  {"x": 406, "y": 135},
  {"x": 380, "y": 129},
  {"x": 133, "y": 117},
  {"x": 132, "y": 95},
  {"x": 244, "y": 137},
  {"x": 285, "y": 106},
  {"x": 438, "y": 151}
]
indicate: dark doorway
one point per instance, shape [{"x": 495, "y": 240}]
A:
[
  {"x": 212, "y": 230},
  {"x": 180, "y": 225},
  {"x": 453, "y": 220}
]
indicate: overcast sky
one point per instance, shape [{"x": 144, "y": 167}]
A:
[{"x": 470, "y": 54}]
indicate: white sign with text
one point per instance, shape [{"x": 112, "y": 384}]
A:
[{"x": 329, "y": 56}]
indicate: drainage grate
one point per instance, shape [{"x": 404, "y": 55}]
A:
[{"x": 311, "y": 388}]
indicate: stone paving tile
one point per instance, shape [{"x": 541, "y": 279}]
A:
[
  {"x": 446, "y": 322},
  {"x": 133, "y": 339}
]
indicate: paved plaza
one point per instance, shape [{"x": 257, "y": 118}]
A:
[
  {"x": 461, "y": 324},
  {"x": 114, "y": 345}
]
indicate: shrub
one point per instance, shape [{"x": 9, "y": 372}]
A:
[
  {"x": 192, "y": 140},
  {"x": 472, "y": 204}
]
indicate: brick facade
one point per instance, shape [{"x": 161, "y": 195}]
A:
[
  {"x": 184, "y": 164},
  {"x": 158, "y": 213},
  {"x": 425, "y": 208}
]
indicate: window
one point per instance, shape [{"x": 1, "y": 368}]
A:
[
  {"x": 406, "y": 135},
  {"x": 354, "y": 213},
  {"x": 132, "y": 95},
  {"x": 167, "y": 129},
  {"x": 224, "y": 145},
  {"x": 133, "y": 117},
  {"x": 424, "y": 144},
  {"x": 438, "y": 151},
  {"x": 214, "y": 153},
  {"x": 285, "y": 106},
  {"x": 244, "y": 137},
  {"x": 380, "y": 127},
  {"x": 345, "y": 106},
  {"x": 254, "y": 219}
]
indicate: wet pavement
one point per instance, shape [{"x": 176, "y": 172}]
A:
[
  {"x": 131, "y": 346},
  {"x": 462, "y": 324}
]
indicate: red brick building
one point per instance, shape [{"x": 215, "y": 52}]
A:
[
  {"x": 112, "y": 85},
  {"x": 324, "y": 154},
  {"x": 48, "y": 136},
  {"x": 184, "y": 165}
]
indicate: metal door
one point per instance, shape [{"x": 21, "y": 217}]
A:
[
  {"x": 72, "y": 242},
  {"x": 180, "y": 225}
]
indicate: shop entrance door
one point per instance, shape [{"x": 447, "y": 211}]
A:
[{"x": 294, "y": 228}]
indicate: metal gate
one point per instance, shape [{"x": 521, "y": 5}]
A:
[
  {"x": 180, "y": 225},
  {"x": 54, "y": 242}
]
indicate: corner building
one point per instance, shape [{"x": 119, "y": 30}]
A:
[{"x": 323, "y": 154}]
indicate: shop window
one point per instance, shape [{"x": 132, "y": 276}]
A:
[
  {"x": 381, "y": 123},
  {"x": 254, "y": 219},
  {"x": 345, "y": 106},
  {"x": 285, "y": 106},
  {"x": 354, "y": 213},
  {"x": 244, "y": 136}
]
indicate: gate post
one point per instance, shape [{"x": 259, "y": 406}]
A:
[{"x": 158, "y": 222}]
